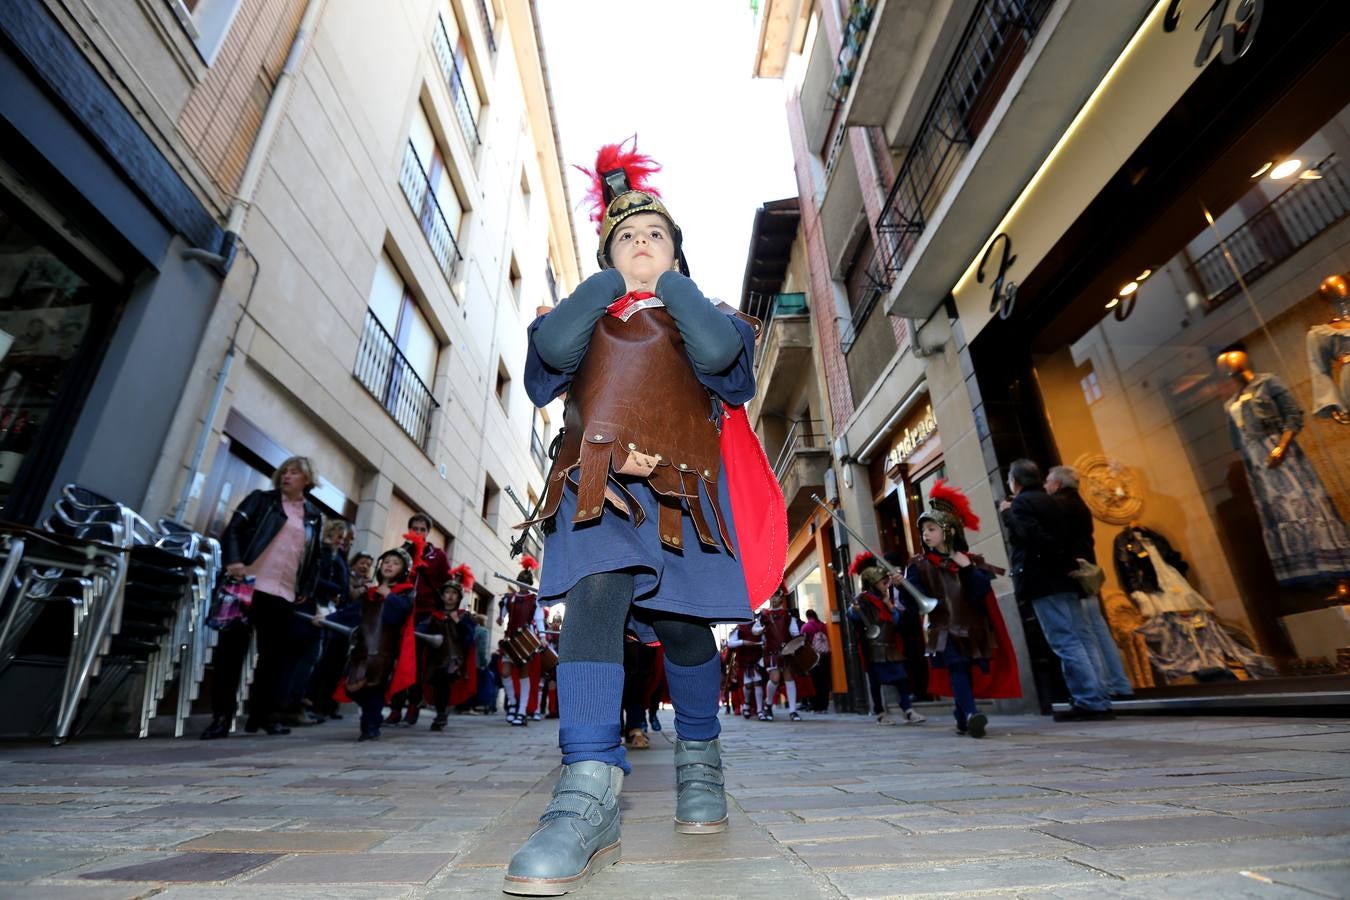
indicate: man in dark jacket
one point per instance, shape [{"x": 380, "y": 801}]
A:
[
  {"x": 1042, "y": 558},
  {"x": 1061, "y": 482}
]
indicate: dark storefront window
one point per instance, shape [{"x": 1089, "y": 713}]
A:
[
  {"x": 1206, "y": 411},
  {"x": 47, "y": 312}
]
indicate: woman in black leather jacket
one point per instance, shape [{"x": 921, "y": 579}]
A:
[{"x": 274, "y": 537}]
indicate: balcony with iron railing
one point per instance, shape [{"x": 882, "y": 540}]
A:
[
  {"x": 801, "y": 466},
  {"x": 991, "y": 47},
  {"x": 384, "y": 371},
  {"x": 783, "y": 353},
  {"x": 1272, "y": 234},
  {"x": 412, "y": 178},
  {"x": 454, "y": 80},
  {"x": 486, "y": 19}
]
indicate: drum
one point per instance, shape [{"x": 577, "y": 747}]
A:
[
  {"x": 521, "y": 645},
  {"x": 801, "y": 656},
  {"x": 548, "y": 659}
]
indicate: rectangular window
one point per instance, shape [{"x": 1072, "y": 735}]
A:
[
  {"x": 207, "y": 22},
  {"x": 396, "y": 360},
  {"x": 503, "y": 384},
  {"x": 514, "y": 276},
  {"x": 432, "y": 194},
  {"x": 538, "y": 439},
  {"x": 552, "y": 281},
  {"x": 491, "y": 501}
]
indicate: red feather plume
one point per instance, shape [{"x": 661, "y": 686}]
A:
[
  {"x": 958, "y": 501},
  {"x": 464, "y": 575},
  {"x": 419, "y": 546},
  {"x": 861, "y": 561},
  {"x": 529, "y": 562},
  {"x": 639, "y": 167}
]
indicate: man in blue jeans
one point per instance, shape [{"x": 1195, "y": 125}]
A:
[
  {"x": 1042, "y": 557},
  {"x": 1061, "y": 482}
]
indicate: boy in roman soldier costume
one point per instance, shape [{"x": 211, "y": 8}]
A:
[
  {"x": 430, "y": 574},
  {"x": 382, "y": 660},
  {"x": 519, "y": 611},
  {"x": 776, "y": 627},
  {"x": 877, "y": 615},
  {"x": 967, "y": 641},
  {"x": 639, "y": 512},
  {"x": 747, "y": 651},
  {"x": 449, "y": 674}
]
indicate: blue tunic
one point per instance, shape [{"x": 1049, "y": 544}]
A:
[{"x": 699, "y": 581}]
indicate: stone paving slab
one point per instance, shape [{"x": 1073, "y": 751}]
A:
[
  {"x": 354, "y": 868},
  {"x": 186, "y": 867},
  {"x": 961, "y": 878},
  {"x": 1142, "y": 832},
  {"x": 287, "y": 841}
]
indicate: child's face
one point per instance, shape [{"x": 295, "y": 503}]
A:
[
  {"x": 933, "y": 535},
  {"x": 642, "y": 248},
  {"x": 391, "y": 567}
]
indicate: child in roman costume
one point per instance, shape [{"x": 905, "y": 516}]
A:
[
  {"x": 967, "y": 641},
  {"x": 382, "y": 660},
  {"x": 638, "y": 513}
]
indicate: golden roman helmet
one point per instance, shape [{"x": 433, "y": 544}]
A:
[{"x": 620, "y": 190}]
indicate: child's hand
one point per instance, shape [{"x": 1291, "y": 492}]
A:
[
  {"x": 542, "y": 310},
  {"x": 961, "y": 559},
  {"x": 382, "y": 590}
]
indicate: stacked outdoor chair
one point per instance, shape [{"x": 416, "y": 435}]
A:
[{"x": 138, "y": 596}]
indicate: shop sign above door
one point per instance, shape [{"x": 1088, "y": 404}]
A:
[
  {"x": 1234, "y": 38},
  {"x": 913, "y": 437},
  {"x": 1157, "y": 66}
]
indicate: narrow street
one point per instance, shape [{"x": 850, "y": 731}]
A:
[{"x": 832, "y": 807}]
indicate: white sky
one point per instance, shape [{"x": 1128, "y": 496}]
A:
[{"x": 676, "y": 72}]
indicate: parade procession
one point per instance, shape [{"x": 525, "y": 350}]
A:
[{"x": 787, "y": 448}]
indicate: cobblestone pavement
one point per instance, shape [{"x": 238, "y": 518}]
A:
[{"x": 832, "y": 807}]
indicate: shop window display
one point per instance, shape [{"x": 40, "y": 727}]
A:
[
  {"x": 45, "y": 314},
  {"x": 1207, "y": 412}
]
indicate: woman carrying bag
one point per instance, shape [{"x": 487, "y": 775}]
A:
[{"x": 274, "y": 538}]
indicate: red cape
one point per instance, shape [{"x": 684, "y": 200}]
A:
[
  {"x": 1001, "y": 682},
  {"x": 757, "y": 506}
]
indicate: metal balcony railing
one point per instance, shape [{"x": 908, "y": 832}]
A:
[
  {"x": 990, "y": 49},
  {"x": 1274, "y": 233},
  {"x": 487, "y": 25},
  {"x": 454, "y": 79},
  {"x": 765, "y": 306},
  {"x": 850, "y": 48},
  {"x": 384, "y": 371},
  {"x": 417, "y": 188},
  {"x": 805, "y": 434},
  {"x": 874, "y": 286}
]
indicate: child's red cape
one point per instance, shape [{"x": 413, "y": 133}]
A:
[
  {"x": 405, "y": 667},
  {"x": 1001, "y": 682},
  {"x": 757, "y": 506}
]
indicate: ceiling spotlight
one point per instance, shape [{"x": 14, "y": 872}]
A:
[
  {"x": 1310, "y": 175},
  {"x": 1129, "y": 289},
  {"x": 1113, "y": 303},
  {"x": 1144, "y": 274},
  {"x": 1265, "y": 167},
  {"x": 1286, "y": 168}
]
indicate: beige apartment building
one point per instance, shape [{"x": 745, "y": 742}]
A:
[{"x": 409, "y": 215}]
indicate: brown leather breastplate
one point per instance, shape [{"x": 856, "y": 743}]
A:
[
  {"x": 956, "y": 612},
  {"x": 636, "y": 411},
  {"x": 373, "y": 649}
]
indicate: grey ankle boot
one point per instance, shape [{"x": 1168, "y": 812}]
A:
[
  {"x": 701, "y": 803},
  {"x": 578, "y": 833}
]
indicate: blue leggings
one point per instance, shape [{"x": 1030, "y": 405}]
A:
[{"x": 957, "y": 665}]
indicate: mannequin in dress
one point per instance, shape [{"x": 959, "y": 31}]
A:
[
  {"x": 1305, "y": 538},
  {"x": 1329, "y": 354},
  {"x": 1235, "y": 362}
]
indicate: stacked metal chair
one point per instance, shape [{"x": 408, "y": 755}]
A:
[{"x": 139, "y": 596}]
